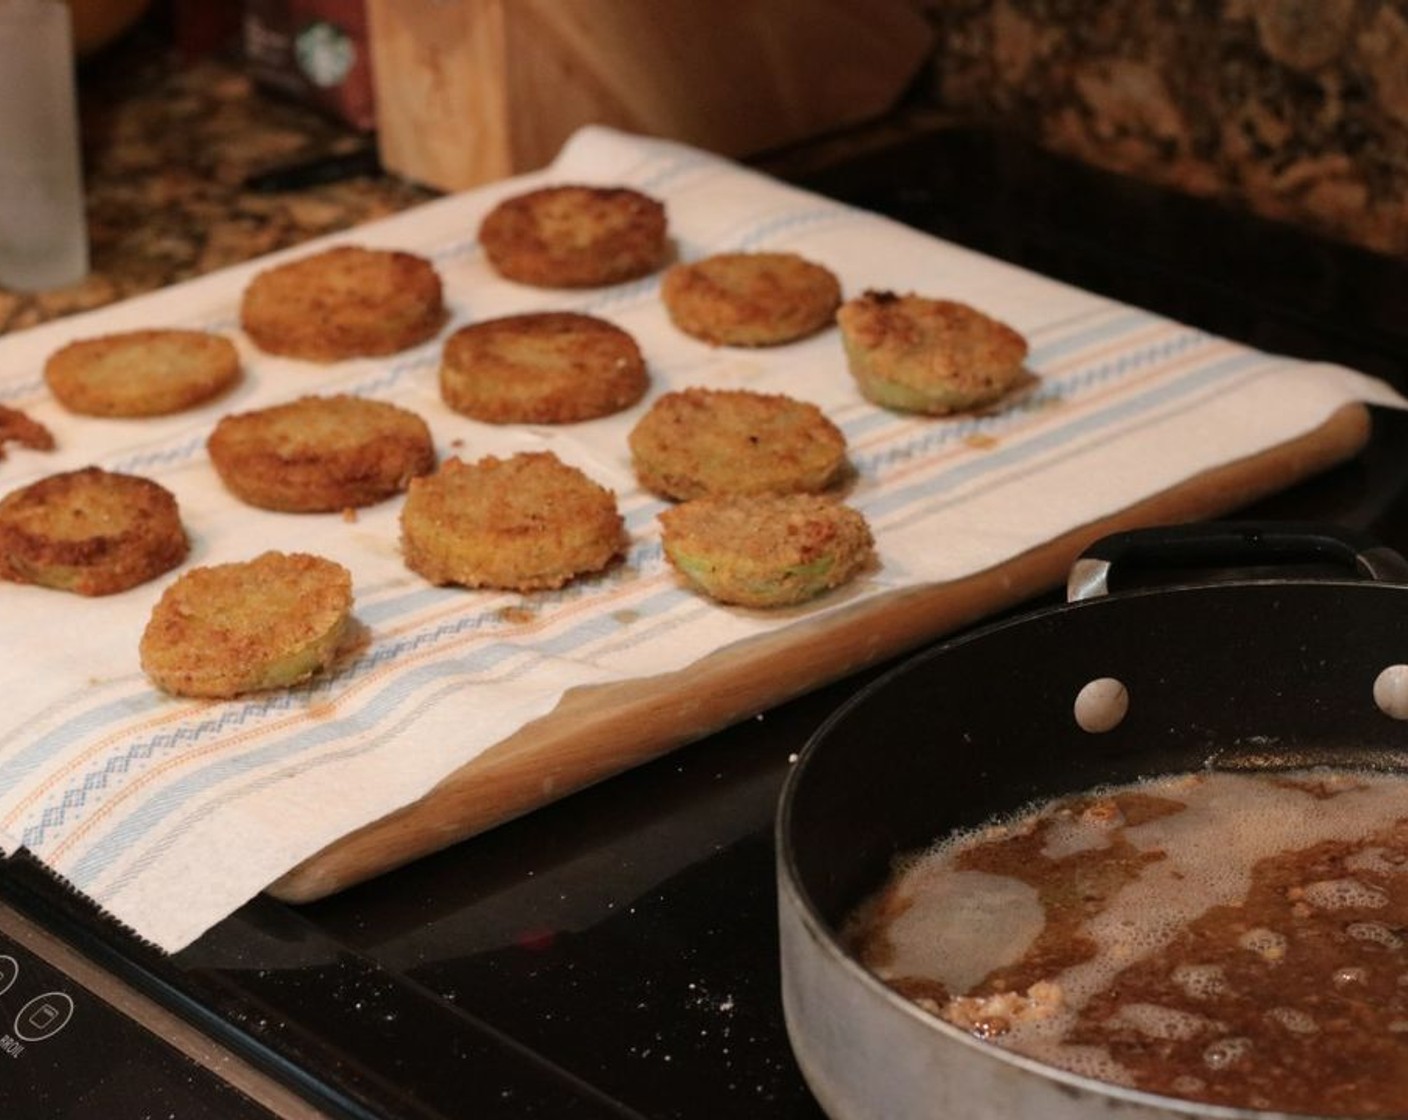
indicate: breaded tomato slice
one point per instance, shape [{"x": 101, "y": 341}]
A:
[
  {"x": 526, "y": 523},
  {"x": 750, "y": 299},
  {"x": 915, "y": 354},
  {"x": 766, "y": 550},
  {"x": 17, "y": 427},
  {"x": 575, "y": 236},
  {"x": 548, "y": 367},
  {"x": 320, "y": 454},
  {"x": 142, "y": 372},
  {"x": 266, "y": 623},
  {"x": 696, "y": 441},
  {"x": 90, "y": 531},
  {"x": 344, "y": 302}
]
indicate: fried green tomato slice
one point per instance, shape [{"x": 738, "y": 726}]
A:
[
  {"x": 526, "y": 523},
  {"x": 345, "y": 302},
  {"x": 142, "y": 372},
  {"x": 250, "y": 626},
  {"x": 766, "y": 551},
  {"x": 90, "y": 531},
  {"x": 914, "y": 354},
  {"x": 549, "y": 367},
  {"x": 575, "y": 236},
  {"x": 320, "y": 454},
  {"x": 697, "y": 442},
  {"x": 16, "y": 427},
  {"x": 750, "y": 299}
]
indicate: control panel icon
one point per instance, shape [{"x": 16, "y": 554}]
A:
[
  {"x": 43, "y": 1017},
  {"x": 9, "y": 971}
]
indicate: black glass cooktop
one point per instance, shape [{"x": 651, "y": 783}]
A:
[{"x": 615, "y": 955}]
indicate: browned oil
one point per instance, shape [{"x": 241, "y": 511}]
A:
[{"x": 1237, "y": 939}]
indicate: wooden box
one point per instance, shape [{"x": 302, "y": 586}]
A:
[{"x": 473, "y": 90}]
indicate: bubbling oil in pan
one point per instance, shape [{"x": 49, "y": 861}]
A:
[{"x": 1234, "y": 938}]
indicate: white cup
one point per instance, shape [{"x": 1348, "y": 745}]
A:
[{"x": 43, "y": 229}]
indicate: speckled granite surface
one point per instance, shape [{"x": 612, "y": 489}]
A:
[
  {"x": 167, "y": 150},
  {"x": 1295, "y": 109}
]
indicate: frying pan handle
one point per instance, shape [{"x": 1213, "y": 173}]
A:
[{"x": 1232, "y": 544}]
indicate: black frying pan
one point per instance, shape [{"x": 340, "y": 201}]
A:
[{"x": 1270, "y": 671}]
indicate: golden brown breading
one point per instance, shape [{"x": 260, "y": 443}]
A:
[
  {"x": 552, "y": 367},
  {"x": 142, "y": 372},
  {"x": 766, "y": 550},
  {"x": 525, "y": 523},
  {"x": 732, "y": 441},
  {"x": 16, "y": 427},
  {"x": 751, "y": 299},
  {"x": 934, "y": 356},
  {"x": 575, "y": 236},
  {"x": 90, "y": 531},
  {"x": 319, "y": 454},
  {"x": 345, "y": 302},
  {"x": 227, "y": 629}
]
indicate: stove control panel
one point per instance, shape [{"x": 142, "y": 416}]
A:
[{"x": 68, "y": 1054}]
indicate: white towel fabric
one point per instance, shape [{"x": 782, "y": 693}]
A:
[{"x": 171, "y": 813}]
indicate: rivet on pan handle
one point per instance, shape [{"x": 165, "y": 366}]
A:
[{"x": 1230, "y": 544}]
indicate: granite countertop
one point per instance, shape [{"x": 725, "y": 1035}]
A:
[
  {"x": 168, "y": 148},
  {"x": 1280, "y": 109}
]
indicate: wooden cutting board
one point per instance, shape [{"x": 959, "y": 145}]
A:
[
  {"x": 601, "y": 731},
  {"x": 480, "y": 89}
]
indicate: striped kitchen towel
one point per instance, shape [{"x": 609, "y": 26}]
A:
[{"x": 171, "y": 813}]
